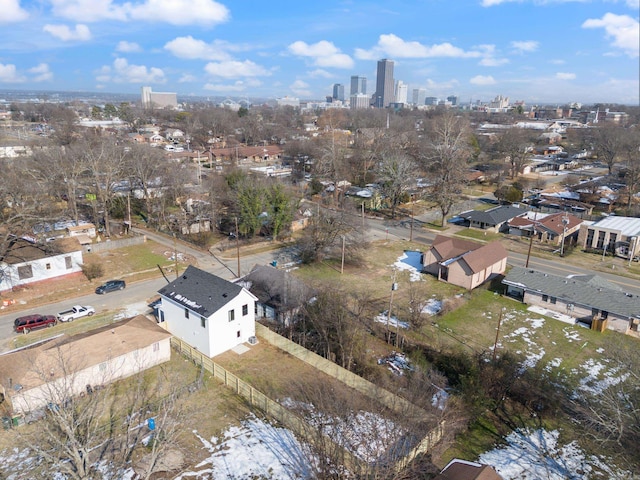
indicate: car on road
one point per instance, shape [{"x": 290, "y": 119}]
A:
[
  {"x": 111, "y": 286},
  {"x": 32, "y": 322},
  {"x": 77, "y": 311}
]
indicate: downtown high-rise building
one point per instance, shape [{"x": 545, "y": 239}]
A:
[
  {"x": 358, "y": 85},
  {"x": 419, "y": 94},
  {"x": 402, "y": 90},
  {"x": 338, "y": 92},
  {"x": 385, "y": 84}
]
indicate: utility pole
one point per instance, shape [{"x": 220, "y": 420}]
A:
[
  {"x": 495, "y": 344},
  {"x": 411, "y": 234},
  {"x": 175, "y": 255},
  {"x": 394, "y": 287},
  {"x": 565, "y": 223},
  {"x": 363, "y": 216},
  {"x": 533, "y": 232},
  {"x": 238, "y": 247},
  {"x": 342, "y": 266}
]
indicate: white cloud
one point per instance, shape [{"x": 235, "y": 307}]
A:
[
  {"x": 323, "y": 54},
  {"x": 192, "y": 49},
  {"x": 442, "y": 88},
  {"x": 238, "y": 86},
  {"x": 565, "y": 76},
  {"x": 623, "y": 31},
  {"x": 123, "y": 72},
  {"x": 41, "y": 72},
  {"x": 9, "y": 74},
  {"x": 88, "y": 10},
  {"x": 12, "y": 12},
  {"x": 175, "y": 12},
  {"x": 395, "y": 47},
  {"x": 234, "y": 69},
  {"x": 187, "y": 78},
  {"x": 319, "y": 73},
  {"x": 493, "y": 62},
  {"x": 633, "y": 4},
  {"x": 557, "y": 62},
  {"x": 181, "y": 12},
  {"x": 64, "y": 33},
  {"x": 491, "y": 3},
  {"x": 300, "y": 88},
  {"x": 128, "y": 47},
  {"x": 525, "y": 46},
  {"x": 482, "y": 80}
]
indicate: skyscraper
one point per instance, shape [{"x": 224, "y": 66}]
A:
[
  {"x": 401, "y": 92},
  {"x": 358, "y": 85},
  {"x": 419, "y": 94},
  {"x": 338, "y": 92},
  {"x": 384, "y": 84}
]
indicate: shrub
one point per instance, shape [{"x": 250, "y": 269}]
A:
[{"x": 92, "y": 270}]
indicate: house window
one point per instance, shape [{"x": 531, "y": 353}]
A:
[
  {"x": 590, "y": 234},
  {"x": 553, "y": 300},
  {"x": 67, "y": 263},
  {"x": 186, "y": 313},
  {"x": 605, "y": 315},
  {"x": 245, "y": 310},
  {"x": 545, "y": 298},
  {"x": 25, "y": 272},
  {"x": 203, "y": 322},
  {"x": 232, "y": 315},
  {"x": 238, "y": 334},
  {"x": 47, "y": 266},
  {"x": 255, "y": 309},
  {"x": 600, "y": 243},
  {"x": 156, "y": 347},
  {"x": 161, "y": 316}
]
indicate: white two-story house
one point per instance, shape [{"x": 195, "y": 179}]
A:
[{"x": 209, "y": 313}]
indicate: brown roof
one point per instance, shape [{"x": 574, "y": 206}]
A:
[
  {"x": 476, "y": 255},
  {"x": 485, "y": 256},
  {"x": 450, "y": 247},
  {"x": 463, "y": 470},
  {"x": 554, "y": 222},
  {"x": 77, "y": 352}
]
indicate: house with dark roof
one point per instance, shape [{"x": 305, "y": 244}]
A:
[
  {"x": 588, "y": 299},
  {"x": 209, "y": 313},
  {"x": 547, "y": 227},
  {"x": 495, "y": 219},
  {"x": 458, "y": 469},
  {"x": 280, "y": 295},
  {"x": 50, "y": 372},
  {"x": 464, "y": 263}
]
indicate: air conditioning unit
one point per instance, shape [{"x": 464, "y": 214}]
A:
[{"x": 252, "y": 340}]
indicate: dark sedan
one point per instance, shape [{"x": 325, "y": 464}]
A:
[{"x": 111, "y": 286}]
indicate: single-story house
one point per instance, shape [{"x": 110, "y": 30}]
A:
[
  {"x": 495, "y": 219},
  {"x": 464, "y": 263},
  {"x": 280, "y": 295},
  {"x": 617, "y": 235},
  {"x": 209, "y": 313},
  {"x": 586, "y": 298},
  {"x": 88, "y": 229},
  {"x": 33, "y": 377},
  {"x": 26, "y": 261},
  {"x": 548, "y": 228},
  {"x": 458, "y": 469}
]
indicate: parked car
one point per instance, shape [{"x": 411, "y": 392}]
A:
[
  {"x": 31, "y": 322},
  {"x": 111, "y": 286},
  {"x": 77, "y": 311}
]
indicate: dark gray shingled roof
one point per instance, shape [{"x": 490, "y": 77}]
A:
[
  {"x": 587, "y": 290},
  {"x": 493, "y": 216},
  {"x": 200, "y": 291}
]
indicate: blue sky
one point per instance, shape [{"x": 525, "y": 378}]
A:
[{"x": 539, "y": 51}]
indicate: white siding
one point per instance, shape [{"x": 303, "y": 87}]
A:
[
  {"x": 57, "y": 266},
  {"x": 219, "y": 334}
]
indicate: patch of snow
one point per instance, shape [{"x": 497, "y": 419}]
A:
[
  {"x": 537, "y": 454},
  {"x": 432, "y": 307},
  {"x": 412, "y": 262},
  {"x": 255, "y": 449},
  {"x": 396, "y": 362},
  {"x": 393, "y": 321}
]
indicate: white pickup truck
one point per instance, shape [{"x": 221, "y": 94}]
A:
[{"x": 77, "y": 311}]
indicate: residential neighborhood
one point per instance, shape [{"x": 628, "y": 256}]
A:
[{"x": 326, "y": 271}]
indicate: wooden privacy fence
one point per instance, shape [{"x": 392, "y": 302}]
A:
[{"x": 296, "y": 423}]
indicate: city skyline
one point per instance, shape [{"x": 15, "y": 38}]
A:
[{"x": 538, "y": 51}]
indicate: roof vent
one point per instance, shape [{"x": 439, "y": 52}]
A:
[{"x": 224, "y": 295}]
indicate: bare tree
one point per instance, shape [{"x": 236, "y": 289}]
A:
[
  {"x": 396, "y": 173},
  {"x": 515, "y": 146},
  {"x": 607, "y": 141},
  {"x": 445, "y": 159},
  {"x": 146, "y": 168}
]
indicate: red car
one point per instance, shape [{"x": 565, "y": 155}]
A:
[{"x": 31, "y": 322}]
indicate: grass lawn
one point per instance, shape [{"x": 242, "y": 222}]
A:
[{"x": 482, "y": 235}]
